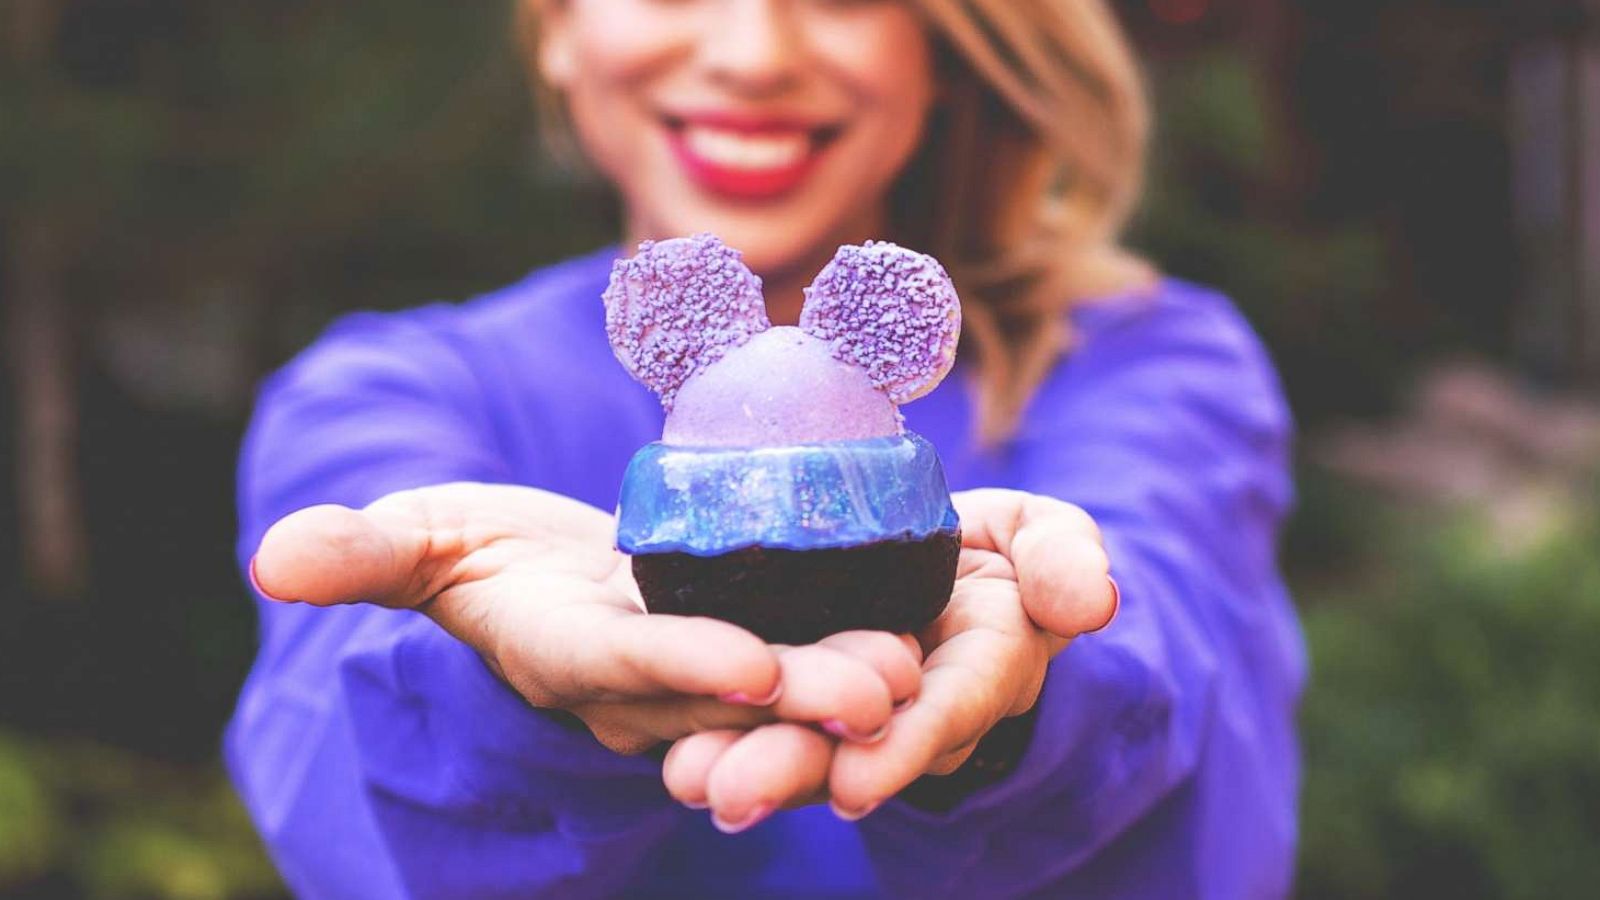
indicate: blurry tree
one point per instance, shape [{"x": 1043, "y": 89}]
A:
[
  {"x": 37, "y": 324},
  {"x": 185, "y": 182},
  {"x": 1219, "y": 210}
]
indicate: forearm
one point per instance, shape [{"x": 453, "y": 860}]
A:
[
  {"x": 1119, "y": 727},
  {"x": 430, "y": 758},
  {"x": 1167, "y": 428},
  {"x": 379, "y": 755}
]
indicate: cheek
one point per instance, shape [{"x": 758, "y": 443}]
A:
[
  {"x": 612, "y": 69},
  {"x": 604, "y": 49},
  {"x": 889, "y": 65},
  {"x": 890, "y": 73}
]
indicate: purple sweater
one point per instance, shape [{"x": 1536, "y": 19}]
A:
[{"x": 380, "y": 758}]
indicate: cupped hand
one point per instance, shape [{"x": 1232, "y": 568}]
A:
[
  {"x": 532, "y": 581},
  {"x": 1032, "y": 575}
]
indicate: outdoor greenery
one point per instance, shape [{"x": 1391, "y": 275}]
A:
[
  {"x": 202, "y": 186},
  {"x": 78, "y": 819},
  {"x": 1451, "y": 742}
]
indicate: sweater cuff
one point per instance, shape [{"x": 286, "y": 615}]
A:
[{"x": 437, "y": 726}]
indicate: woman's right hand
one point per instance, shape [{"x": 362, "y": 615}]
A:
[{"x": 532, "y": 581}]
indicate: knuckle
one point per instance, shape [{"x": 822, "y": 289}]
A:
[
  {"x": 626, "y": 743},
  {"x": 1027, "y": 698},
  {"x": 950, "y": 762}
]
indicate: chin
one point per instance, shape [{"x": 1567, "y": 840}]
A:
[
  {"x": 776, "y": 242},
  {"x": 772, "y": 236}
]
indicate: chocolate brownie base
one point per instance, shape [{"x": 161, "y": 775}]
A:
[{"x": 798, "y": 596}]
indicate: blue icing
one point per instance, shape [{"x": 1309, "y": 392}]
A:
[{"x": 707, "y": 501}]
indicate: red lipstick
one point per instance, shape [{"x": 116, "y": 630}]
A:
[{"x": 747, "y": 157}]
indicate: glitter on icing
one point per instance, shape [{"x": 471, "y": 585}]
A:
[
  {"x": 709, "y": 501},
  {"x": 891, "y": 311},
  {"x": 678, "y": 306}
]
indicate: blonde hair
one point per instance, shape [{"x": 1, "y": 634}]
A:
[{"x": 1033, "y": 160}]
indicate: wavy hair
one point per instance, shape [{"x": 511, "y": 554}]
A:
[{"x": 1032, "y": 162}]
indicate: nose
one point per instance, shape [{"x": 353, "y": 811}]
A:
[{"x": 753, "y": 46}]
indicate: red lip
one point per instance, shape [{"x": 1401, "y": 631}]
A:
[{"x": 738, "y": 183}]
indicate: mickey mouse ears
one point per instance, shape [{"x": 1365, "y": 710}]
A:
[
  {"x": 680, "y": 305},
  {"x": 889, "y": 310}
]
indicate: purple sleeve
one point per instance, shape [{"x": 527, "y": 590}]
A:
[
  {"x": 377, "y": 754},
  {"x": 1169, "y": 428}
]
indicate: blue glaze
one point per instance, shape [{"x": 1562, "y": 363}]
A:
[{"x": 709, "y": 501}]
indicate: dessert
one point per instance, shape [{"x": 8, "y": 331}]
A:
[{"x": 785, "y": 495}]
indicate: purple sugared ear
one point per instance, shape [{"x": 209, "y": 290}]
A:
[
  {"x": 678, "y": 306},
  {"x": 889, "y": 310}
]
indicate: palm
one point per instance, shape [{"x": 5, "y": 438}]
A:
[
  {"x": 1031, "y": 575},
  {"x": 532, "y": 581}
]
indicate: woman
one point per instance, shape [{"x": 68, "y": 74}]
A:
[{"x": 455, "y": 461}]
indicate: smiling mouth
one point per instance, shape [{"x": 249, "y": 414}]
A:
[{"x": 747, "y": 158}]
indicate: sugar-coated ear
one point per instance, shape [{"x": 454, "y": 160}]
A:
[
  {"x": 889, "y": 310},
  {"x": 678, "y": 306}
]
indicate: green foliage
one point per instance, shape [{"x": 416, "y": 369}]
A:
[
  {"x": 86, "y": 820},
  {"x": 1214, "y": 212},
  {"x": 271, "y": 165},
  {"x": 30, "y": 823},
  {"x": 1450, "y": 731}
]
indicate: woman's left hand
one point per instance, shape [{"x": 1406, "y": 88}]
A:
[{"x": 1032, "y": 575}]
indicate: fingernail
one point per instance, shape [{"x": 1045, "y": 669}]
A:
[
  {"x": 750, "y": 820},
  {"x": 743, "y": 699},
  {"x": 695, "y": 806},
  {"x": 840, "y": 730},
  {"x": 853, "y": 815},
  {"x": 1116, "y": 605}
]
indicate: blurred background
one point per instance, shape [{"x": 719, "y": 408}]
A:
[{"x": 1404, "y": 196}]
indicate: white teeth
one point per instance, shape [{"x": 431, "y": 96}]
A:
[{"x": 753, "y": 152}]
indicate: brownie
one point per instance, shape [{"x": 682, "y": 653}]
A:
[{"x": 898, "y": 585}]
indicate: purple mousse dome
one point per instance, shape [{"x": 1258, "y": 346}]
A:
[{"x": 784, "y": 387}]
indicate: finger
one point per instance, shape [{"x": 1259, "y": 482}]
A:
[
  {"x": 973, "y": 679},
  {"x": 838, "y": 691},
  {"x": 1066, "y": 584},
  {"x": 332, "y": 554},
  {"x": 625, "y": 724},
  {"x": 412, "y": 545},
  {"x": 771, "y": 768},
  {"x": 594, "y": 646},
  {"x": 896, "y": 658},
  {"x": 1055, "y": 549},
  {"x": 619, "y": 724},
  {"x": 686, "y": 771},
  {"x": 992, "y": 517}
]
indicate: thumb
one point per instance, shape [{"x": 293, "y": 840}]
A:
[
  {"x": 1055, "y": 548},
  {"x": 327, "y": 555},
  {"x": 1064, "y": 577}
]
